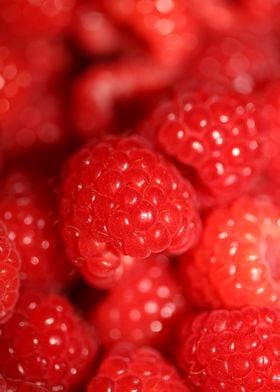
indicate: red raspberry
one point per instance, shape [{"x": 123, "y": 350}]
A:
[
  {"x": 28, "y": 19},
  {"x": 246, "y": 59},
  {"x": 214, "y": 132},
  {"x": 237, "y": 261},
  {"x": 143, "y": 307},
  {"x": 100, "y": 91},
  {"x": 166, "y": 27},
  {"x": 118, "y": 193},
  {"x": 10, "y": 264},
  {"x": 27, "y": 207},
  {"x": 45, "y": 342},
  {"x": 142, "y": 370},
  {"x": 8, "y": 385},
  {"x": 231, "y": 350}
]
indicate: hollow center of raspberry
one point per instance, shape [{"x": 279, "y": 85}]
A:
[{"x": 272, "y": 255}]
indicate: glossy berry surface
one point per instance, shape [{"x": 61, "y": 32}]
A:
[
  {"x": 231, "y": 350},
  {"x": 27, "y": 207},
  {"x": 214, "y": 132},
  {"x": 143, "y": 307},
  {"x": 10, "y": 264},
  {"x": 8, "y": 385},
  {"x": 142, "y": 370},
  {"x": 47, "y": 343},
  {"x": 237, "y": 261}
]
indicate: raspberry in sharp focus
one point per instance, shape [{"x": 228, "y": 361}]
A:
[
  {"x": 119, "y": 194},
  {"x": 27, "y": 207},
  {"x": 10, "y": 264},
  {"x": 143, "y": 307},
  {"x": 142, "y": 370},
  {"x": 231, "y": 350},
  {"x": 237, "y": 261},
  {"x": 212, "y": 130},
  {"x": 46, "y": 342}
]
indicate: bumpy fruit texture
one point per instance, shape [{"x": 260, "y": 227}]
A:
[
  {"x": 27, "y": 208},
  {"x": 45, "y": 342},
  {"x": 8, "y": 385},
  {"x": 10, "y": 264},
  {"x": 142, "y": 370},
  {"x": 144, "y": 306},
  {"x": 231, "y": 350},
  {"x": 215, "y": 133},
  {"x": 119, "y": 196},
  {"x": 237, "y": 261}
]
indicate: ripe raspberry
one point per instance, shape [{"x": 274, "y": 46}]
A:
[
  {"x": 118, "y": 193},
  {"x": 8, "y": 385},
  {"x": 143, "y": 308},
  {"x": 10, "y": 264},
  {"x": 246, "y": 59},
  {"x": 215, "y": 133},
  {"x": 165, "y": 27},
  {"x": 142, "y": 370},
  {"x": 27, "y": 208},
  {"x": 237, "y": 261},
  {"x": 99, "y": 92},
  {"x": 231, "y": 350},
  {"x": 46, "y": 343}
]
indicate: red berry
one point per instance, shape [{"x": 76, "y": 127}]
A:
[
  {"x": 10, "y": 264},
  {"x": 142, "y": 370},
  {"x": 231, "y": 350},
  {"x": 237, "y": 261},
  {"x": 46, "y": 343},
  {"x": 27, "y": 208},
  {"x": 8, "y": 385},
  {"x": 120, "y": 196},
  {"x": 143, "y": 307},
  {"x": 214, "y": 132}
]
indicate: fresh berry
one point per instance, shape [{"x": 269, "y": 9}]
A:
[
  {"x": 237, "y": 260},
  {"x": 47, "y": 343},
  {"x": 119, "y": 194},
  {"x": 143, "y": 307},
  {"x": 142, "y": 370},
  {"x": 231, "y": 350},
  {"x": 215, "y": 133},
  {"x": 27, "y": 208},
  {"x": 100, "y": 91},
  {"x": 10, "y": 264},
  {"x": 246, "y": 59},
  {"x": 8, "y": 385}
]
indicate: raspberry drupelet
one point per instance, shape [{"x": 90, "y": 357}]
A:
[
  {"x": 231, "y": 350},
  {"x": 8, "y": 385},
  {"x": 10, "y": 265},
  {"x": 141, "y": 370},
  {"x": 120, "y": 196},
  {"x": 47, "y": 343},
  {"x": 237, "y": 261}
]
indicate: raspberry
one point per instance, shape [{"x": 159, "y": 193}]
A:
[
  {"x": 231, "y": 350},
  {"x": 118, "y": 194},
  {"x": 27, "y": 208},
  {"x": 143, "y": 308},
  {"x": 10, "y": 264},
  {"x": 215, "y": 133},
  {"x": 46, "y": 343},
  {"x": 8, "y": 385},
  {"x": 237, "y": 261},
  {"x": 100, "y": 91},
  {"x": 165, "y": 27},
  {"x": 246, "y": 59},
  {"x": 142, "y": 370}
]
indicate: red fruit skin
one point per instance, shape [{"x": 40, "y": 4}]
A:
[
  {"x": 143, "y": 369},
  {"x": 47, "y": 343},
  {"x": 231, "y": 350},
  {"x": 143, "y": 308},
  {"x": 237, "y": 261},
  {"x": 10, "y": 264},
  {"x": 28, "y": 20},
  {"x": 8, "y": 385},
  {"x": 27, "y": 207},
  {"x": 118, "y": 196},
  {"x": 214, "y": 135}
]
